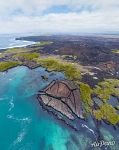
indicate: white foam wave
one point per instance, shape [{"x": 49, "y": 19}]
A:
[
  {"x": 85, "y": 126},
  {"x": 26, "y": 119},
  {"x": 22, "y": 133},
  {"x": 11, "y": 104},
  {"x": 20, "y": 137}
]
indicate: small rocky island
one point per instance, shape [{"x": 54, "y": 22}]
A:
[{"x": 64, "y": 97}]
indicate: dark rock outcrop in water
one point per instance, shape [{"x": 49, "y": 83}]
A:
[{"x": 64, "y": 97}]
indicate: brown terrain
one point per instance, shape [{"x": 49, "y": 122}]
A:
[
  {"x": 64, "y": 97},
  {"x": 94, "y": 53}
]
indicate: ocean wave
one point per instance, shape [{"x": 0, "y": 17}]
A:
[
  {"x": 20, "y": 137},
  {"x": 26, "y": 119},
  {"x": 22, "y": 133},
  {"x": 11, "y": 104},
  {"x": 89, "y": 129}
]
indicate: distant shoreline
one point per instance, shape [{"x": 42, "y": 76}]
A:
[
  {"x": 37, "y": 38},
  {"x": 13, "y": 42}
]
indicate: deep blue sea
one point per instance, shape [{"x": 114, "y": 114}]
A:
[{"x": 25, "y": 125}]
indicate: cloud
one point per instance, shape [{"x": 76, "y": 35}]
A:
[{"x": 39, "y": 16}]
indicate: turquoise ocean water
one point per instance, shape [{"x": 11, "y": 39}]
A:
[{"x": 24, "y": 125}]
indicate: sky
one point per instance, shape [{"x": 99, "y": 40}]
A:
[{"x": 59, "y": 16}]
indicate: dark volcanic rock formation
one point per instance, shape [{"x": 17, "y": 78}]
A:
[{"x": 64, "y": 97}]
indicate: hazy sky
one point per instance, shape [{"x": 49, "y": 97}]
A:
[{"x": 59, "y": 16}]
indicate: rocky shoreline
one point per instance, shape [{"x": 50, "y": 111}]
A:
[
  {"x": 76, "y": 123},
  {"x": 57, "y": 102},
  {"x": 64, "y": 97}
]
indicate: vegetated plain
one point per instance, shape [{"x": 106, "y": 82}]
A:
[{"x": 92, "y": 63}]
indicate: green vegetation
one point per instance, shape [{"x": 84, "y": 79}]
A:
[
  {"x": 115, "y": 51},
  {"x": 43, "y": 43},
  {"x": 7, "y": 65},
  {"x": 104, "y": 90},
  {"x": 26, "y": 56},
  {"x": 70, "y": 70},
  {"x": 107, "y": 112},
  {"x": 13, "y": 51},
  {"x": 1, "y": 55},
  {"x": 107, "y": 88},
  {"x": 86, "y": 93},
  {"x": 17, "y": 50}
]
